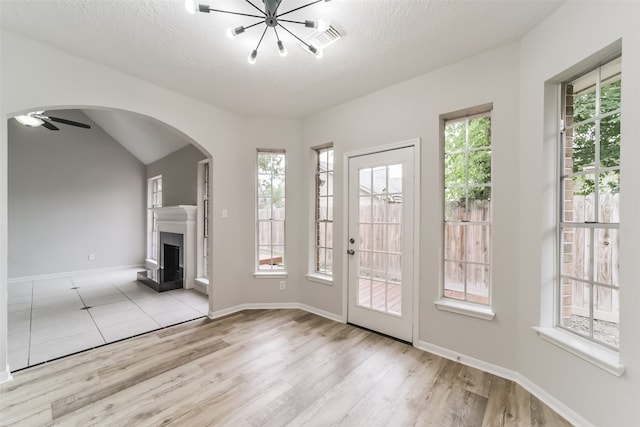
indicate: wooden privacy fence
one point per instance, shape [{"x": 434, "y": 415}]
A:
[
  {"x": 468, "y": 248},
  {"x": 271, "y": 232},
  {"x": 381, "y": 231},
  {"x": 577, "y": 251}
]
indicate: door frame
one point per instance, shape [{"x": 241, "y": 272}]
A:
[{"x": 414, "y": 143}]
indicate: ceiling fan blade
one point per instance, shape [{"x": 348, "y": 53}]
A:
[
  {"x": 69, "y": 122},
  {"x": 49, "y": 125}
]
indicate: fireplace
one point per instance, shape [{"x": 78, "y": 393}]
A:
[
  {"x": 176, "y": 228},
  {"x": 171, "y": 272}
]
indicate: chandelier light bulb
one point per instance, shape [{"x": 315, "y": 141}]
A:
[
  {"x": 319, "y": 24},
  {"x": 190, "y": 5},
  {"x": 252, "y": 57},
  {"x": 270, "y": 18},
  {"x": 282, "y": 49},
  {"x": 322, "y": 25},
  {"x": 232, "y": 33},
  {"x": 315, "y": 51}
]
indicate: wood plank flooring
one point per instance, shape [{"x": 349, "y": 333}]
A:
[{"x": 264, "y": 368}]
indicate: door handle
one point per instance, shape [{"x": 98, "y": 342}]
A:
[{"x": 351, "y": 252}]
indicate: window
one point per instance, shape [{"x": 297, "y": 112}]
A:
[
  {"x": 589, "y": 189},
  {"x": 271, "y": 212},
  {"x": 467, "y": 208},
  {"x": 203, "y": 219},
  {"x": 323, "y": 259},
  {"x": 154, "y": 200}
]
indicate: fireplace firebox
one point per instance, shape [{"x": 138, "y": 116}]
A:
[
  {"x": 171, "y": 255},
  {"x": 171, "y": 272}
]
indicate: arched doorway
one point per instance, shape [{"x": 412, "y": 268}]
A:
[{"x": 81, "y": 216}]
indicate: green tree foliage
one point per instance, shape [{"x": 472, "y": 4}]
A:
[
  {"x": 467, "y": 162},
  {"x": 584, "y": 139},
  {"x": 271, "y": 173}
]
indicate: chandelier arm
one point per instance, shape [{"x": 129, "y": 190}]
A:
[
  {"x": 292, "y": 22},
  {"x": 263, "y": 33},
  {"x": 276, "y": 31},
  {"x": 298, "y": 38},
  {"x": 256, "y": 7},
  {"x": 236, "y": 13},
  {"x": 253, "y": 25},
  {"x": 298, "y": 8}
]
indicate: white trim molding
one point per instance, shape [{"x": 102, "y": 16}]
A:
[
  {"x": 602, "y": 357},
  {"x": 465, "y": 308},
  {"x": 5, "y": 376},
  {"x": 181, "y": 219},
  {"x": 559, "y": 407},
  {"x": 276, "y": 306},
  {"x": 73, "y": 273},
  {"x": 270, "y": 275},
  {"x": 320, "y": 278}
]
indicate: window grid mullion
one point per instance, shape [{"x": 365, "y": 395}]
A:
[{"x": 592, "y": 229}]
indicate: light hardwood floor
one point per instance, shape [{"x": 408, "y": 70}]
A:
[{"x": 264, "y": 368}]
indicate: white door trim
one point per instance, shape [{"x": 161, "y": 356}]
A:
[{"x": 417, "y": 152}]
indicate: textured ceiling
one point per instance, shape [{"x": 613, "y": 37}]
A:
[{"x": 387, "y": 41}]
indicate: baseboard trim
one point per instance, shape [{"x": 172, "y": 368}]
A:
[
  {"x": 466, "y": 360},
  {"x": 201, "y": 287},
  {"x": 562, "y": 409},
  {"x": 5, "y": 376},
  {"x": 323, "y": 313},
  {"x": 72, "y": 273},
  {"x": 276, "y": 306}
]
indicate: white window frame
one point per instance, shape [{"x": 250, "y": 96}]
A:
[
  {"x": 590, "y": 227},
  {"x": 273, "y": 272},
  {"x": 598, "y": 355},
  {"x": 152, "y": 232},
  {"x": 315, "y": 274},
  {"x": 445, "y": 303},
  {"x": 203, "y": 223}
]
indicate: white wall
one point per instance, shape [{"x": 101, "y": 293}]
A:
[
  {"x": 572, "y": 34},
  {"x": 230, "y": 140},
  {"x": 511, "y": 77},
  {"x": 270, "y": 134},
  {"x": 179, "y": 172},
  {"x": 409, "y": 110},
  {"x": 71, "y": 193}
]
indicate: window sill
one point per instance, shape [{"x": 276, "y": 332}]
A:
[
  {"x": 202, "y": 281},
  {"x": 270, "y": 275},
  {"x": 593, "y": 353},
  {"x": 465, "y": 308},
  {"x": 320, "y": 278}
]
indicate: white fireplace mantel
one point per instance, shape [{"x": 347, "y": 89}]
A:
[{"x": 181, "y": 219}]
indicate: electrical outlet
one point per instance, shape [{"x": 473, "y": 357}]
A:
[
  {"x": 91, "y": 257},
  {"x": 283, "y": 285}
]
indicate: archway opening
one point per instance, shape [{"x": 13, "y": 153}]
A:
[{"x": 78, "y": 221}]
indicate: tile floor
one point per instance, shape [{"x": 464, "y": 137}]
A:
[{"x": 51, "y": 318}]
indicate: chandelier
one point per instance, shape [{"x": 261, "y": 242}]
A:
[{"x": 271, "y": 18}]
